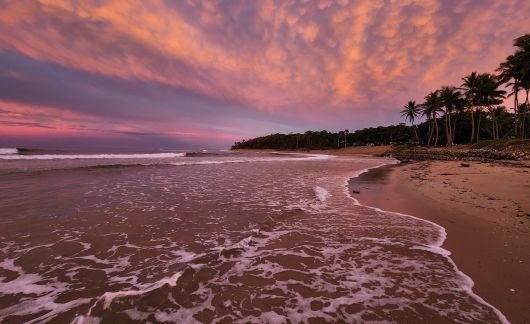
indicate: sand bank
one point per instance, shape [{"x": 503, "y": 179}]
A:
[{"x": 485, "y": 209}]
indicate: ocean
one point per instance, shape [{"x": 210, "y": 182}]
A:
[{"x": 201, "y": 237}]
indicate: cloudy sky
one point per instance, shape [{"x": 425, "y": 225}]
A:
[{"x": 206, "y": 73}]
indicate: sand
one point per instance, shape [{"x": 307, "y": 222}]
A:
[{"x": 485, "y": 209}]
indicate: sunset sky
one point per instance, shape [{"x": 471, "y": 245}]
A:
[{"x": 185, "y": 74}]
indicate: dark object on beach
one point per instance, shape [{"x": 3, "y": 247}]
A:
[
  {"x": 464, "y": 164},
  {"x": 356, "y": 191},
  {"x": 232, "y": 253}
]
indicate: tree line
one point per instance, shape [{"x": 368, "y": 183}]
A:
[
  {"x": 322, "y": 140},
  {"x": 480, "y": 97}
]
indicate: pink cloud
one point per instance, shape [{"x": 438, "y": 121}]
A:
[{"x": 306, "y": 58}]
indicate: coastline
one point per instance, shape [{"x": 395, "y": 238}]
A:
[
  {"x": 352, "y": 150},
  {"x": 483, "y": 210}
]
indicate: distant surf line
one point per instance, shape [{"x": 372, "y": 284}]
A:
[{"x": 15, "y": 156}]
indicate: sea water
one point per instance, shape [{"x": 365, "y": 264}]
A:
[{"x": 215, "y": 237}]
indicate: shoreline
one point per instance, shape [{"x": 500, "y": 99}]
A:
[
  {"x": 488, "y": 244},
  {"x": 349, "y": 151},
  {"x": 438, "y": 246}
]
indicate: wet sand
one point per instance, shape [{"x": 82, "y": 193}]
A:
[{"x": 485, "y": 209}]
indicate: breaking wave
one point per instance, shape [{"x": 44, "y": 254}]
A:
[
  {"x": 8, "y": 151},
  {"x": 321, "y": 193},
  {"x": 13, "y": 156}
]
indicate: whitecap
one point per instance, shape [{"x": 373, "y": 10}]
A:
[
  {"x": 11, "y": 156},
  {"x": 8, "y": 151},
  {"x": 322, "y": 194}
]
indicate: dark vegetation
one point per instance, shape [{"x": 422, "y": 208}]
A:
[
  {"x": 463, "y": 114},
  {"x": 383, "y": 135}
]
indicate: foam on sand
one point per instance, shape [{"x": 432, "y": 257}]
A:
[
  {"x": 434, "y": 247},
  {"x": 33, "y": 284}
]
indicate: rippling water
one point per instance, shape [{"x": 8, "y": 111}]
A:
[{"x": 216, "y": 238}]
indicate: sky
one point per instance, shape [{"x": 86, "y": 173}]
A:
[{"x": 203, "y": 74}]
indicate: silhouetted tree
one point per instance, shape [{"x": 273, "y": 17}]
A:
[
  {"x": 432, "y": 107},
  {"x": 515, "y": 72},
  {"x": 469, "y": 86},
  {"x": 411, "y": 111}
]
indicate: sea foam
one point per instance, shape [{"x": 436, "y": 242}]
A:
[
  {"x": 435, "y": 246},
  {"x": 8, "y": 151},
  {"x": 321, "y": 193},
  {"x": 14, "y": 156}
]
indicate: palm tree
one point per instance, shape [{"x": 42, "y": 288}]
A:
[
  {"x": 346, "y": 137},
  {"x": 522, "y": 63},
  {"x": 469, "y": 86},
  {"x": 508, "y": 71},
  {"x": 481, "y": 90},
  {"x": 516, "y": 67},
  {"x": 459, "y": 108},
  {"x": 502, "y": 117},
  {"x": 524, "y": 110},
  {"x": 411, "y": 111},
  {"x": 488, "y": 95},
  {"x": 432, "y": 106},
  {"x": 427, "y": 113},
  {"x": 451, "y": 100}
]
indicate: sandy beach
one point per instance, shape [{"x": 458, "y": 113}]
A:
[{"x": 485, "y": 209}]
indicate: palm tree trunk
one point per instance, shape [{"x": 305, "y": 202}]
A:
[
  {"x": 431, "y": 129},
  {"x": 453, "y": 131},
  {"x": 436, "y": 125},
  {"x": 448, "y": 129},
  {"x": 493, "y": 126},
  {"x": 516, "y": 107},
  {"x": 451, "y": 128},
  {"x": 472, "y": 111},
  {"x": 525, "y": 112},
  {"x": 523, "y": 135},
  {"x": 446, "y": 132},
  {"x": 497, "y": 128},
  {"x": 478, "y": 124}
]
